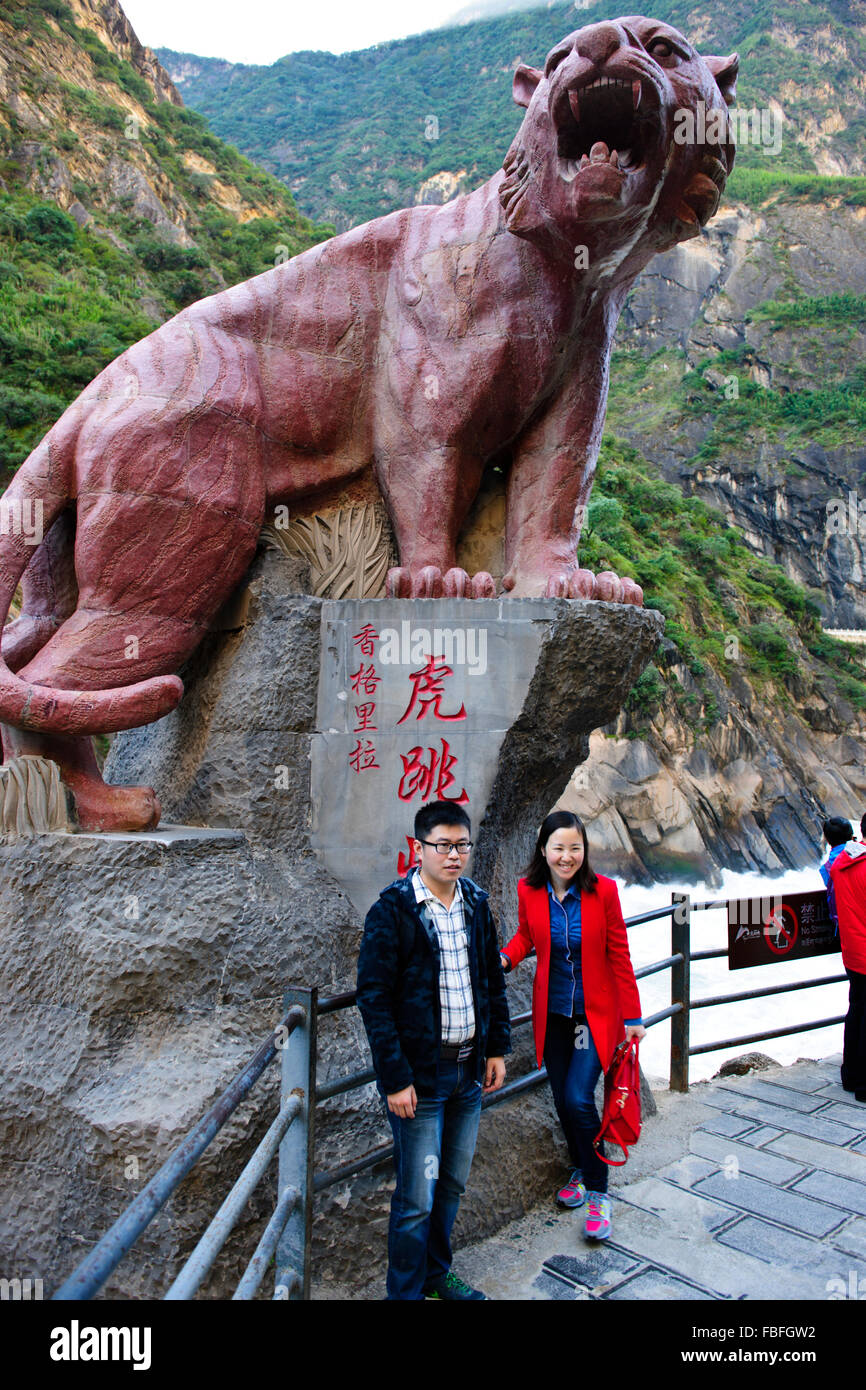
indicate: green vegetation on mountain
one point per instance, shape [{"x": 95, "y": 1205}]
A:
[
  {"x": 356, "y": 135},
  {"x": 166, "y": 213},
  {"x": 69, "y": 304},
  {"x": 726, "y": 611}
]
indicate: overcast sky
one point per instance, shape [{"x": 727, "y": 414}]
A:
[{"x": 260, "y": 31}]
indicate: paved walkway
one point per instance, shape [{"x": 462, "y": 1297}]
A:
[{"x": 766, "y": 1200}]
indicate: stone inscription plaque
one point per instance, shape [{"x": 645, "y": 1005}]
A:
[{"x": 415, "y": 699}]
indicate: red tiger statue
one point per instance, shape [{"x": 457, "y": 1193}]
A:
[{"x": 419, "y": 347}]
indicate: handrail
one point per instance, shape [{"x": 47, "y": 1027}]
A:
[
  {"x": 287, "y": 1233},
  {"x": 258, "y": 1265},
  {"x": 196, "y": 1269},
  {"x": 106, "y": 1255},
  {"x": 770, "y": 989},
  {"x": 771, "y": 1033}
]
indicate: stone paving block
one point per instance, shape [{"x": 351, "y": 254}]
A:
[
  {"x": 758, "y": 1162},
  {"x": 593, "y": 1268},
  {"x": 779, "y": 1204},
  {"x": 769, "y": 1090},
  {"x": 852, "y": 1114},
  {"x": 829, "y": 1187},
  {"x": 726, "y": 1124},
  {"x": 814, "y": 1079},
  {"x": 836, "y": 1091},
  {"x": 815, "y": 1126},
  {"x": 785, "y": 1250},
  {"x": 761, "y": 1136},
  {"x": 656, "y": 1283},
  {"x": 682, "y": 1211},
  {"x": 814, "y": 1154},
  {"x": 686, "y": 1248},
  {"x": 555, "y": 1288},
  {"x": 852, "y": 1238},
  {"x": 686, "y": 1171}
]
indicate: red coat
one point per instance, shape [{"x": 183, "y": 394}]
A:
[
  {"x": 609, "y": 986},
  {"x": 848, "y": 872}
]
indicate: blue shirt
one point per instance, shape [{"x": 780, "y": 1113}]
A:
[
  {"x": 824, "y": 870},
  {"x": 565, "y": 985}
]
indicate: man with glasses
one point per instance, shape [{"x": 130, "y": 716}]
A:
[{"x": 432, "y": 996}]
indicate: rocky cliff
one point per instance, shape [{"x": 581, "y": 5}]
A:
[
  {"x": 117, "y": 206},
  {"x": 740, "y": 377}
]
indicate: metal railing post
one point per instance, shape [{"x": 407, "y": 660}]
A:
[
  {"x": 297, "y": 1151},
  {"x": 680, "y": 990}
]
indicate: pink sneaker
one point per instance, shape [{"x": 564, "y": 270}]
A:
[
  {"x": 597, "y": 1225},
  {"x": 574, "y": 1192}
]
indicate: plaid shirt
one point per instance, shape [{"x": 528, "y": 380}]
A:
[{"x": 455, "y": 984}]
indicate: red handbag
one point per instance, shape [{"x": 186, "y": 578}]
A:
[{"x": 620, "y": 1122}]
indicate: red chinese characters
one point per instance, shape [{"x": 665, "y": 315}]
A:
[
  {"x": 427, "y": 692},
  {"x": 430, "y": 777},
  {"x": 405, "y": 862},
  {"x": 363, "y": 756},
  {"x": 364, "y": 681},
  {"x": 428, "y": 773}
]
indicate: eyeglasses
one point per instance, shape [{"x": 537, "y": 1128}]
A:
[{"x": 446, "y": 846}]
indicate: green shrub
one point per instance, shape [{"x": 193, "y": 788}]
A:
[{"x": 48, "y": 226}]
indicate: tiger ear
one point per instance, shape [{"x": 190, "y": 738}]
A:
[
  {"x": 725, "y": 71},
  {"x": 525, "y": 82}
]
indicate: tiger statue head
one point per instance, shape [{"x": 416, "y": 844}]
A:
[{"x": 626, "y": 143}]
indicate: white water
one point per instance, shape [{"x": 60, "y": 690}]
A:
[{"x": 652, "y": 941}]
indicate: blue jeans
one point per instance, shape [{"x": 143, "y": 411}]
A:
[
  {"x": 573, "y": 1072},
  {"x": 432, "y": 1157}
]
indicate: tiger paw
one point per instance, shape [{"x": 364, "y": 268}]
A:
[{"x": 430, "y": 582}]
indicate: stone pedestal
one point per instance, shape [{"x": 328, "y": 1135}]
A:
[{"x": 138, "y": 972}]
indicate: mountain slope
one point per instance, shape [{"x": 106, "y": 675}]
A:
[
  {"x": 117, "y": 206},
  {"x": 360, "y": 134}
]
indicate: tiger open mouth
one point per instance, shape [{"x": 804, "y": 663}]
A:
[{"x": 611, "y": 120}]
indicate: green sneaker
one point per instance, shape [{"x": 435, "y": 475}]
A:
[{"x": 453, "y": 1288}]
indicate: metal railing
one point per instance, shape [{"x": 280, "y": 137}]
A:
[
  {"x": 292, "y": 1215},
  {"x": 287, "y": 1237},
  {"x": 682, "y": 1005}
]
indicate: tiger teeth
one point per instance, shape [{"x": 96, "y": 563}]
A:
[{"x": 609, "y": 82}]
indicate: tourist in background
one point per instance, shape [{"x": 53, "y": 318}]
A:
[
  {"x": 848, "y": 875},
  {"x": 584, "y": 999},
  {"x": 837, "y": 832}
]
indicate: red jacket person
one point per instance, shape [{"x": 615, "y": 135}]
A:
[
  {"x": 848, "y": 874},
  {"x": 585, "y": 997}
]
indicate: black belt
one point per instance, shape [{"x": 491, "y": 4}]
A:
[{"x": 457, "y": 1052}]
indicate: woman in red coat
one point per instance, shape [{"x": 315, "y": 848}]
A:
[{"x": 584, "y": 999}]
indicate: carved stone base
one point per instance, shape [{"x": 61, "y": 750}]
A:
[{"x": 139, "y": 971}]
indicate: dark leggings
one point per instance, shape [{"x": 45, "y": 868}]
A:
[
  {"x": 854, "y": 1047},
  {"x": 573, "y": 1069}
]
